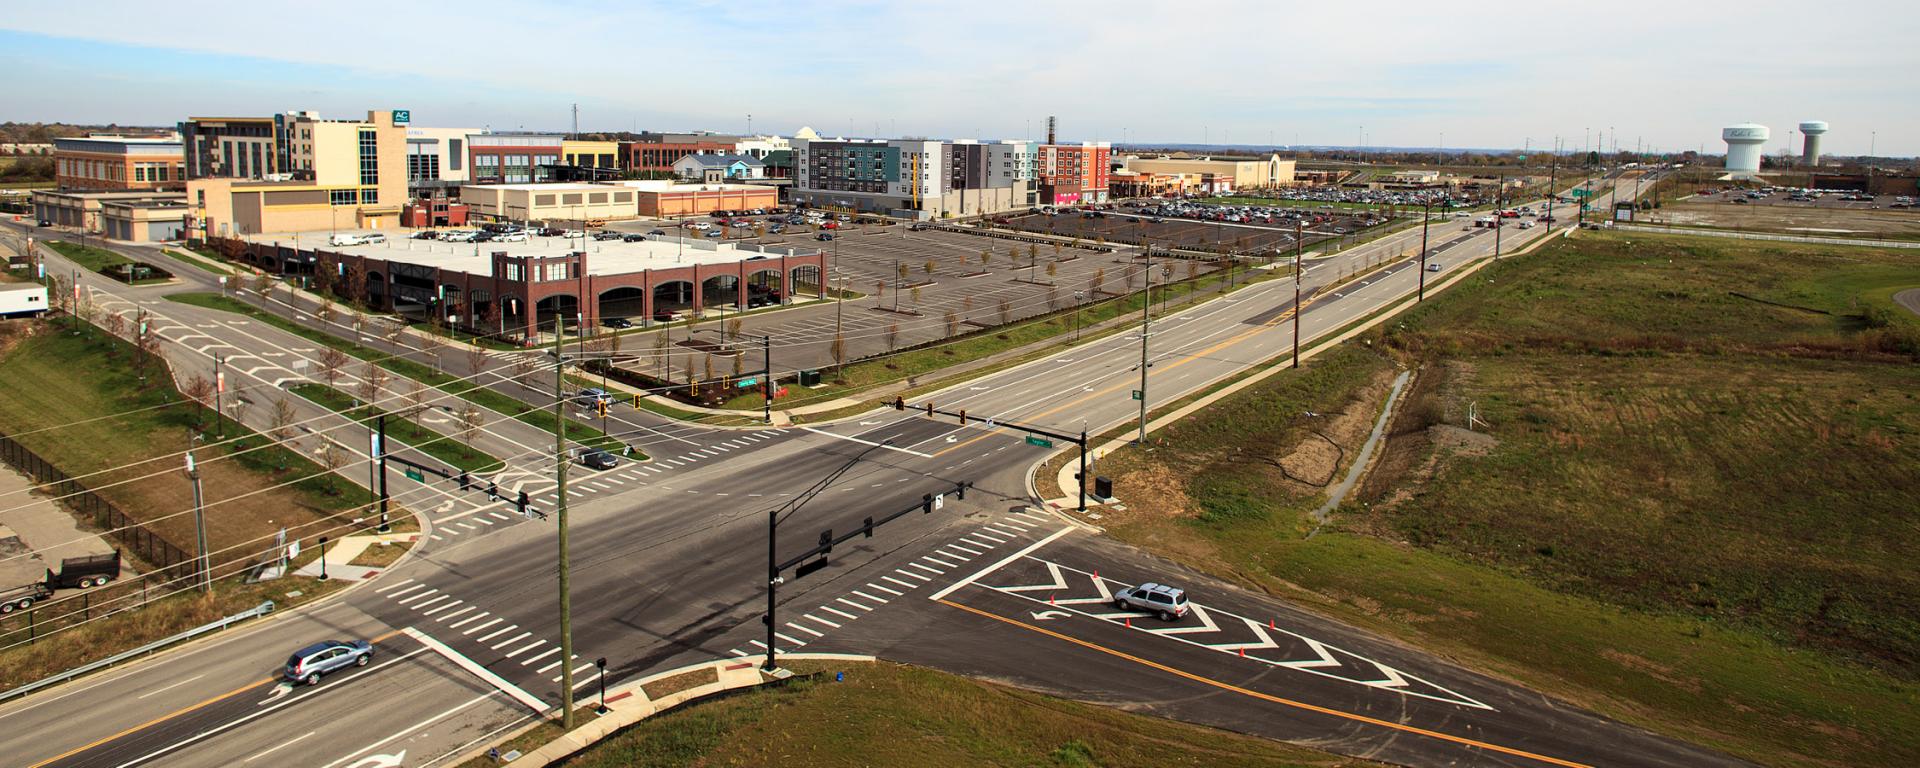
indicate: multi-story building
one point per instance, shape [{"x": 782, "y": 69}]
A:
[
  {"x": 1073, "y": 174},
  {"x": 914, "y": 177},
  {"x": 436, "y": 160},
  {"x": 232, "y": 147},
  {"x": 657, "y": 152},
  {"x": 579, "y": 153},
  {"x": 1220, "y": 176},
  {"x": 114, "y": 163},
  {"x": 512, "y": 158},
  {"x": 331, "y": 174},
  {"x": 719, "y": 169},
  {"x": 762, "y": 146}
]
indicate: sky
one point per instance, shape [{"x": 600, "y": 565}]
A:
[{"x": 1660, "y": 75}]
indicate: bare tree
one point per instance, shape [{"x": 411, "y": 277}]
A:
[
  {"x": 913, "y": 294},
  {"x": 1131, "y": 273},
  {"x": 359, "y": 326},
  {"x": 476, "y": 361},
  {"x": 739, "y": 360},
  {"x": 893, "y": 335},
  {"x": 283, "y": 416},
  {"x": 733, "y": 328},
  {"x": 373, "y": 383},
  {"x": 471, "y": 420},
  {"x": 416, "y": 397},
  {"x": 1006, "y": 311},
  {"x": 333, "y": 458},
  {"x": 708, "y": 367},
  {"x": 1053, "y": 268},
  {"x": 522, "y": 367},
  {"x": 1056, "y": 251},
  {"x": 1033, "y": 253},
  {"x": 331, "y": 361},
  {"x": 953, "y": 323},
  {"x": 879, "y": 288},
  {"x": 199, "y": 390},
  {"x": 393, "y": 335},
  {"x": 966, "y": 303},
  {"x": 1053, "y": 297},
  {"x": 325, "y": 312},
  {"x": 1099, "y": 282},
  {"x": 986, "y": 255},
  {"x": 660, "y": 358},
  {"x": 928, "y": 268}
]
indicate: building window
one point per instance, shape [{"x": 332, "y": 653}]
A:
[
  {"x": 555, "y": 271},
  {"x": 454, "y": 153},
  {"x": 341, "y": 197},
  {"x": 369, "y": 157},
  {"x": 513, "y": 271},
  {"x": 369, "y": 196}
]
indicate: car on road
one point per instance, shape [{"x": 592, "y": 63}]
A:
[
  {"x": 598, "y": 459},
  {"x": 656, "y": 232},
  {"x": 46, "y": 223},
  {"x": 308, "y": 664},
  {"x": 594, "y": 396},
  {"x": 1433, "y": 266},
  {"x": 617, "y": 322},
  {"x": 1165, "y": 601}
]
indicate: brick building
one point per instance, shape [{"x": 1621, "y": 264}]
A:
[{"x": 118, "y": 164}]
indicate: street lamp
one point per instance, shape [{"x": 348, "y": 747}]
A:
[
  {"x": 323, "y": 558},
  {"x": 601, "y": 664}
]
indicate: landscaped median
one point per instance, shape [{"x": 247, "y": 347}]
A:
[
  {"x": 457, "y": 455},
  {"x": 847, "y": 711},
  {"x": 489, "y": 399}
]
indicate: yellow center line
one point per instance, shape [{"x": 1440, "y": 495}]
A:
[
  {"x": 1270, "y": 697},
  {"x": 172, "y": 715}
]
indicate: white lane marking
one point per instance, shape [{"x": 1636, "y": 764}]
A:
[
  {"x": 865, "y": 596},
  {"x": 994, "y": 535},
  {"x": 523, "y": 649},
  {"x": 950, "y": 589},
  {"x": 737, "y": 652},
  {"x": 1008, "y": 533},
  {"x": 903, "y": 585},
  {"x": 441, "y": 608},
  {"x": 789, "y": 638},
  {"x": 284, "y": 744},
  {"x": 1020, "y": 525},
  {"x": 576, "y": 673},
  {"x": 927, "y": 568},
  {"x": 497, "y": 633},
  {"x": 531, "y": 701},
  {"x": 531, "y": 659},
  {"x": 474, "y": 618},
  {"x": 968, "y": 550},
  {"x": 423, "y": 606},
  {"x": 430, "y": 591},
  {"x": 981, "y": 544},
  {"x": 938, "y": 561},
  {"x": 455, "y": 613},
  {"x": 866, "y": 442},
  {"x": 879, "y": 588},
  {"x": 840, "y": 613},
  {"x": 854, "y": 604},
  {"x": 555, "y": 664},
  {"x": 397, "y": 585},
  {"x": 821, "y": 620},
  {"x": 912, "y": 575},
  {"x": 806, "y": 630},
  {"x": 170, "y": 687}
]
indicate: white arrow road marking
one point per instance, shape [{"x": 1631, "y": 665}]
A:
[
  {"x": 1059, "y": 582},
  {"x": 1326, "y": 658},
  {"x": 382, "y": 761},
  {"x": 1049, "y": 615},
  {"x": 1206, "y": 624},
  {"x": 869, "y": 423},
  {"x": 1266, "y": 640},
  {"x": 953, "y": 438},
  {"x": 280, "y": 690}
]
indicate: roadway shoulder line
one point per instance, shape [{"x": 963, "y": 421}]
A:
[
  {"x": 533, "y": 702},
  {"x": 950, "y": 589}
]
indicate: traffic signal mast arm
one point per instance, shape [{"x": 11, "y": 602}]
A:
[
  {"x": 900, "y": 404},
  {"x": 828, "y": 540}
]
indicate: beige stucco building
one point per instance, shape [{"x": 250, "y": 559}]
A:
[
  {"x": 346, "y": 174},
  {"x": 549, "y": 202},
  {"x": 1240, "y": 174}
]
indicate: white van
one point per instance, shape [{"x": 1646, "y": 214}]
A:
[{"x": 356, "y": 239}]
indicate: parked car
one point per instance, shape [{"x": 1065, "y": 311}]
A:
[
  {"x": 46, "y": 223},
  {"x": 665, "y": 315},
  {"x": 604, "y": 235},
  {"x": 308, "y": 664},
  {"x": 633, "y": 237},
  {"x": 426, "y": 234},
  {"x": 572, "y": 233},
  {"x": 510, "y": 237},
  {"x": 1165, "y": 601},
  {"x": 657, "y": 232},
  {"x": 617, "y": 322},
  {"x": 598, "y": 459},
  {"x": 824, "y": 236},
  {"x": 716, "y": 232}
]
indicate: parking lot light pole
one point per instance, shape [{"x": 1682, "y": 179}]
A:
[
  {"x": 560, "y": 516},
  {"x": 1146, "y": 319},
  {"x": 1296, "y": 293}
]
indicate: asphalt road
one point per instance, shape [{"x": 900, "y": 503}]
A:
[{"x": 669, "y": 568}]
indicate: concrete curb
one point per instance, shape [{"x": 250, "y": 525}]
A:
[{"x": 629, "y": 704}]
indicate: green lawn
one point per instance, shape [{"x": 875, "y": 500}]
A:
[
  {"x": 886, "y": 715},
  {"x": 199, "y": 261},
  {"x": 1688, "y": 510},
  {"x": 467, "y": 390},
  {"x": 88, "y": 257},
  {"x": 448, "y": 449}
]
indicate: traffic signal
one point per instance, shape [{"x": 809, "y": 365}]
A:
[
  {"x": 601, "y": 406},
  {"x": 929, "y": 408},
  {"x": 523, "y": 502},
  {"x": 963, "y": 417},
  {"x": 636, "y": 401},
  {"x": 899, "y": 403}
]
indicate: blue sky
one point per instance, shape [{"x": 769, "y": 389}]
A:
[{"x": 1668, "y": 75}]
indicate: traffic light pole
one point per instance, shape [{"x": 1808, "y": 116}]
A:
[
  {"x": 1426, "y": 216},
  {"x": 1145, "y": 321},
  {"x": 560, "y": 511},
  {"x": 381, "y": 425},
  {"x": 1296, "y": 293},
  {"x": 900, "y": 404},
  {"x": 766, "y": 376}
]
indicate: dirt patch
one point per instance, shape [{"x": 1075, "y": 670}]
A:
[
  {"x": 1653, "y": 669},
  {"x": 684, "y": 681}
]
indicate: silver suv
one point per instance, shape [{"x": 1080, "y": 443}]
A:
[
  {"x": 308, "y": 664},
  {"x": 1167, "y": 602}
]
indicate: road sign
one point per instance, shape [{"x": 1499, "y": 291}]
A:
[
  {"x": 1042, "y": 442},
  {"x": 416, "y": 476},
  {"x": 1138, "y": 395},
  {"x": 1582, "y": 193},
  {"x": 747, "y": 382},
  {"x": 939, "y": 500}
]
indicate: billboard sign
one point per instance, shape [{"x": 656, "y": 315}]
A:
[{"x": 402, "y": 116}]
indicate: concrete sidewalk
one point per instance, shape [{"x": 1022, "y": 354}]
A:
[{"x": 35, "y": 533}]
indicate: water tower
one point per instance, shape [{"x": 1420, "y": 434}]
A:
[
  {"x": 1814, "y": 129},
  {"x": 1743, "y": 147}
]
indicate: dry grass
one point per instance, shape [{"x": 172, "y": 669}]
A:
[{"x": 664, "y": 687}]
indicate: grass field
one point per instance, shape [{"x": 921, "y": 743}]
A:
[
  {"x": 448, "y": 449},
  {"x": 1792, "y": 219},
  {"x": 886, "y": 715},
  {"x": 1689, "y": 509},
  {"x": 463, "y": 388},
  {"x": 87, "y": 256}
]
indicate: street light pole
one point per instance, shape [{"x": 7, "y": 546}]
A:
[
  {"x": 1145, "y": 321},
  {"x": 380, "y": 442},
  {"x": 1499, "y": 215},
  {"x": 1296, "y": 293},
  {"x": 766, "y": 383}
]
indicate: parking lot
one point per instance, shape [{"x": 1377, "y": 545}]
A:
[
  {"x": 1845, "y": 214},
  {"x": 1125, "y": 225}
]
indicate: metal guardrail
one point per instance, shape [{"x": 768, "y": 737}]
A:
[{"x": 258, "y": 610}]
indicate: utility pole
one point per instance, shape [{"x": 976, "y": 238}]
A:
[
  {"x": 1145, "y": 321},
  {"x": 1296, "y": 293},
  {"x": 1553, "y": 183},
  {"x": 1499, "y": 214},
  {"x": 896, "y": 282},
  {"x": 560, "y": 515},
  {"x": 766, "y": 378},
  {"x": 200, "y": 528},
  {"x": 1426, "y": 216},
  {"x": 380, "y": 444}
]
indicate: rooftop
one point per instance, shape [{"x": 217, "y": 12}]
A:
[{"x": 611, "y": 257}]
